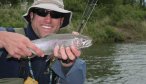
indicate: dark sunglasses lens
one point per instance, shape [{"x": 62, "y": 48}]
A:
[
  {"x": 41, "y": 12},
  {"x": 44, "y": 13},
  {"x": 56, "y": 15}
]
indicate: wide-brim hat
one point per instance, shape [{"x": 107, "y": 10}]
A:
[{"x": 55, "y": 5}]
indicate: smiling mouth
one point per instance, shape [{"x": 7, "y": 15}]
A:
[{"x": 47, "y": 27}]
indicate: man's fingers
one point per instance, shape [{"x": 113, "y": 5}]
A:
[
  {"x": 16, "y": 53},
  {"x": 66, "y": 53},
  {"x": 36, "y": 50},
  {"x": 56, "y": 51},
  {"x": 18, "y": 56},
  {"x": 25, "y": 50},
  {"x": 69, "y": 53},
  {"x": 63, "y": 53},
  {"x": 75, "y": 33},
  {"x": 76, "y": 52}
]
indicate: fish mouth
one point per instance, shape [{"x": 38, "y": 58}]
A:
[{"x": 89, "y": 43}]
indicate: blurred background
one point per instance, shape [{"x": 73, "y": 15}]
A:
[{"x": 118, "y": 29}]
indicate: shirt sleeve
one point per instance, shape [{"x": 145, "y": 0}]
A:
[
  {"x": 2, "y": 29},
  {"x": 76, "y": 75},
  {"x": 1, "y": 49}
]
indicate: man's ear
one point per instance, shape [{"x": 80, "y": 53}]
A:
[
  {"x": 31, "y": 15},
  {"x": 61, "y": 21}
]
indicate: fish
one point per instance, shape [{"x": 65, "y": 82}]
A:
[{"x": 48, "y": 43}]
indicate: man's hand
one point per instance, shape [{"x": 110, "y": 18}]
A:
[
  {"x": 65, "y": 53},
  {"x": 18, "y": 45}
]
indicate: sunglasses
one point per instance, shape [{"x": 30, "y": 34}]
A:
[{"x": 44, "y": 12}]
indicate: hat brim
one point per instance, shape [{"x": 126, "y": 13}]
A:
[{"x": 67, "y": 16}]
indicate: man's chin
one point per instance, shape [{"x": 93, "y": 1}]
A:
[{"x": 44, "y": 35}]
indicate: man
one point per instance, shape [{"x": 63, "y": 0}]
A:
[{"x": 44, "y": 17}]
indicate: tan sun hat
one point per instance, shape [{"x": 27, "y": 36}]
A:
[{"x": 55, "y": 5}]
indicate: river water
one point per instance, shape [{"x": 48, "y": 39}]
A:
[{"x": 116, "y": 63}]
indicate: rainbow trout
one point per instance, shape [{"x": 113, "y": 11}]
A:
[{"x": 48, "y": 43}]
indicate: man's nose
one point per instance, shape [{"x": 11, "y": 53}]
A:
[{"x": 48, "y": 18}]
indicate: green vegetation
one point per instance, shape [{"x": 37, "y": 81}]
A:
[
  {"x": 11, "y": 17},
  {"x": 112, "y": 21}
]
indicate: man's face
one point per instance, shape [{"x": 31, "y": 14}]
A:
[{"x": 44, "y": 26}]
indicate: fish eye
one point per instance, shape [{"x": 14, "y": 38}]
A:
[{"x": 84, "y": 40}]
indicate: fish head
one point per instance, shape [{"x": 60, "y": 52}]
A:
[{"x": 82, "y": 41}]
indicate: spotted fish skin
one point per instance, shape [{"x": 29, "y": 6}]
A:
[{"x": 48, "y": 43}]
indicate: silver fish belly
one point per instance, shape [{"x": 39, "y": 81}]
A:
[{"x": 48, "y": 43}]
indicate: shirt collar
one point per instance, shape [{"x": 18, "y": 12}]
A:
[{"x": 30, "y": 33}]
